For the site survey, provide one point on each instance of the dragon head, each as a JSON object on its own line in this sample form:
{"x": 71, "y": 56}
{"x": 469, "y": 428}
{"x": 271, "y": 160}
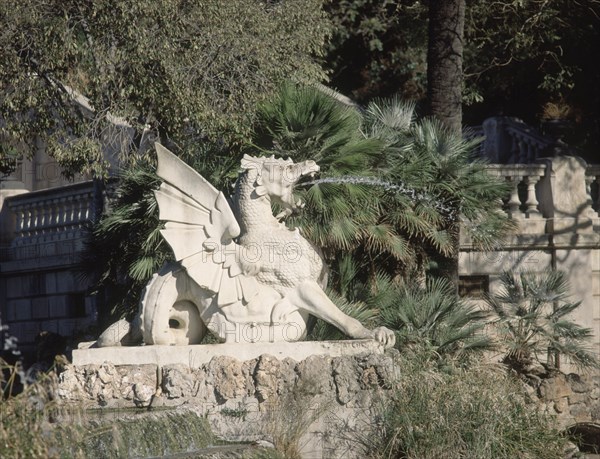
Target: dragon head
{"x": 278, "y": 177}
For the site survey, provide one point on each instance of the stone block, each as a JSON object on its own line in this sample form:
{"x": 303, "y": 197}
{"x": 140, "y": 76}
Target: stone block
{"x": 267, "y": 377}
{"x": 50, "y": 249}
{"x": 347, "y": 376}
{"x": 555, "y": 388}
{"x": 561, "y": 405}
{"x": 58, "y": 307}
{"x": 595, "y": 283}
{"x": 580, "y": 412}
{"x": 14, "y": 287}
{"x": 21, "y": 309}
{"x": 578, "y": 383}
{"x": 595, "y": 260}
{"x": 498, "y": 261}
{"x": 66, "y": 327}
{"x": 51, "y": 286}
{"x": 39, "y": 308}
{"x": 25, "y": 332}
{"x": 228, "y": 377}
{"x": 177, "y": 381}
{"x": 65, "y": 282}
{"x": 195, "y": 356}
{"x": 315, "y": 375}
{"x": 595, "y": 411}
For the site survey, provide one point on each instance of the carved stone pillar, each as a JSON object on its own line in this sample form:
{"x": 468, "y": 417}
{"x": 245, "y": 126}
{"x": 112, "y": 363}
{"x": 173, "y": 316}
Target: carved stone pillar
{"x": 532, "y": 204}
{"x": 514, "y": 203}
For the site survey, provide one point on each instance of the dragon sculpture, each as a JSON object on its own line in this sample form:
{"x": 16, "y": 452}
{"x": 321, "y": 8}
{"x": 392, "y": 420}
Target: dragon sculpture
{"x": 241, "y": 273}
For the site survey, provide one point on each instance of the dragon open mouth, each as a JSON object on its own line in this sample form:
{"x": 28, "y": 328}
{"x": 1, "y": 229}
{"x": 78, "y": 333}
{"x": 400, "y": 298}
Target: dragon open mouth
{"x": 307, "y": 171}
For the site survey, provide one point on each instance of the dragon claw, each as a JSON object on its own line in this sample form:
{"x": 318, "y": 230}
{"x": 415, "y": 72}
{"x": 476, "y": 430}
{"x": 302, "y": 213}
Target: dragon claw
{"x": 385, "y": 336}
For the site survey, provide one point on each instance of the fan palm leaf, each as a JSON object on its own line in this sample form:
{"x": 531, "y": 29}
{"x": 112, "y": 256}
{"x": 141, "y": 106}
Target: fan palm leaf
{"x": 529, "y": 314}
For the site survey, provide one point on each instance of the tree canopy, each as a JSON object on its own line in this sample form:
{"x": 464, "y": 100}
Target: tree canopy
{"x": 177, "y": 69}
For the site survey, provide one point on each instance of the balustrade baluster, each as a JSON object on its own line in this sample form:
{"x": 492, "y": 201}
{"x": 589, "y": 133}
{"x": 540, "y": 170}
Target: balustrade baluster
{"x": 514, "y": 203}
{"x": 55, "y": 215}
{"x": 68, "y": 215}
{"x": 46, "y": 208}
{"x": 34, "y": 225}
{"x": 61, "y": 213}
{"x": 27, "y": 221}
{"x": 81, "y": 211}
{"x": 19, "y": 212}
{"x": 531, "y": 204}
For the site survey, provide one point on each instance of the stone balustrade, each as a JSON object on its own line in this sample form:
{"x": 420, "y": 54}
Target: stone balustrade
{"x": 524, "y": 199}
{"x": 510, "y": 141}
{"x": 526, "y": 144}
{"x": 55, "y": 217}
{"x": 52, "y": 215}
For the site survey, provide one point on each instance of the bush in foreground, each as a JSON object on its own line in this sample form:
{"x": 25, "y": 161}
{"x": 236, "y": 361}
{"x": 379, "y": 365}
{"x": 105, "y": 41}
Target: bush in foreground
{"x": 475, "y": 412}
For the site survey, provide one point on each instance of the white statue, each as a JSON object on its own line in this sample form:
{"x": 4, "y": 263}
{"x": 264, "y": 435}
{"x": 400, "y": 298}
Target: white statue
{"x": 241, "y": 273}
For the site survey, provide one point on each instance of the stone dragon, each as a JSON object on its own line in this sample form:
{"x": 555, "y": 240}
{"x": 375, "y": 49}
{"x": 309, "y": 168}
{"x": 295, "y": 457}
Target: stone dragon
{"x": 240, "y": 272}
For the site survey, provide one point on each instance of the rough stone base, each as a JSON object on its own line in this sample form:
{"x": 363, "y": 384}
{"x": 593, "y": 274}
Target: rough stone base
{"x": 323, "y": 403}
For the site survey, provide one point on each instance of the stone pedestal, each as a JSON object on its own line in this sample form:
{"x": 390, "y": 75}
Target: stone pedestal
{"x": 197, "y": 355}
{"x": 316, "y": 394}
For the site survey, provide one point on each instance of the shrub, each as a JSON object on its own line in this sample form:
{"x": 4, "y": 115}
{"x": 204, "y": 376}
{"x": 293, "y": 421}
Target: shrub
{"x": 475, "y": 412}
{"x": 530, "y": 315}
{"x": 435, "y": 317}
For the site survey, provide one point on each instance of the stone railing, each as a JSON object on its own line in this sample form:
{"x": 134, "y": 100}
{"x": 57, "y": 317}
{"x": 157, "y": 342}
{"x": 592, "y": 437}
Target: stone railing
{"x": 523, "y": 201}
{"x": 56, "y": 215}
{"x": 526, "y": 144}
{"x": 510, "y": 141}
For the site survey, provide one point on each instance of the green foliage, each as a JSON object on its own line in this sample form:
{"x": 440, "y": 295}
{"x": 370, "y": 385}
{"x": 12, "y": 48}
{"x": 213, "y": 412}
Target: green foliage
{"x": 531, "y": 317}
{"x": 518, "y": 55}
{"x": 463, "y": 412}
{"x": 25, "y": 425}
{"x": 435, "y": 318}
{"x": 378, "y": 48}
{"x": 391, "y": 185}
{"x": 182, "y": 71}
{"x": 126, "y": 246}
{"x": 391, "y": 190}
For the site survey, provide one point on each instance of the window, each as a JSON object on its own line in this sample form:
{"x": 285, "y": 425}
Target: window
{"x": 473, "y": 286}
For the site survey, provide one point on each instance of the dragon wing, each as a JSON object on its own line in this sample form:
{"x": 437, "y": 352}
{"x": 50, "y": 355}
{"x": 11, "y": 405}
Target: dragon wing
{"x": 200, "y": 229}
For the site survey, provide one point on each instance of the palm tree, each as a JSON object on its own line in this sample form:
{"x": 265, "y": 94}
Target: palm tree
{"x": 435, "y": 318}
{"x": 394, "y": 188}
{"x": 445, "y": 61}
{"x": 530, "y": 314}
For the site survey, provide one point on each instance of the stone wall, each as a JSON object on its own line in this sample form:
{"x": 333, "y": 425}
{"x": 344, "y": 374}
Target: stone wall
{"x": 571, "y": 398}
{"x": 322, "y": 402}
{"x": 556, "y": 205}
{"x": 41, "y": 288}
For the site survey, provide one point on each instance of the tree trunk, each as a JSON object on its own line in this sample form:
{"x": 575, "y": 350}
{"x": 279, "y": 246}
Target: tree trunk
{"x": 444, "y": 61}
